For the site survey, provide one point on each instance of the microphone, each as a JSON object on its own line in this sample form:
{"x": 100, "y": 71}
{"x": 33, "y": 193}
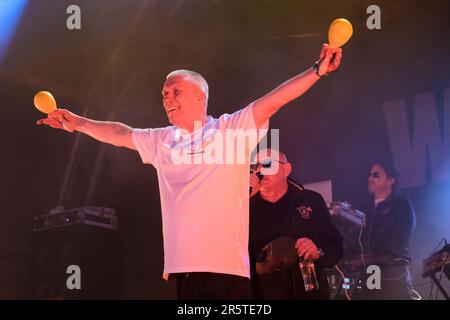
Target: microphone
{"x": 259, "y": 175}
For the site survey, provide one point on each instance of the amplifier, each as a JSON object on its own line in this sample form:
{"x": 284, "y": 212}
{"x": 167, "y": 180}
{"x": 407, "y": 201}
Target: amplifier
{"x": 94, "y": 216}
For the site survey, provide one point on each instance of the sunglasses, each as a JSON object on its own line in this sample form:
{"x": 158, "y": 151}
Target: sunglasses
{"x": 267, "y": 163}
{"x": 375, "y": 175}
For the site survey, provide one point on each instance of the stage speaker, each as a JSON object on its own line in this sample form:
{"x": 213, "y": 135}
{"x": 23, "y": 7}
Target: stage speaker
{"x": 95, "y": 250}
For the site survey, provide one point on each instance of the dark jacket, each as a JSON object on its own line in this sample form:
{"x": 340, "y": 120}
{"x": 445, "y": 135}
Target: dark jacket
{"x": 388, "y": 231}
{"x": 389, "y": 226}
{"x": 299, "y": 213}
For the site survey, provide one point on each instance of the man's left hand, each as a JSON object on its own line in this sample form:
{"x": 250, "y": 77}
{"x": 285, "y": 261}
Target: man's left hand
{"x": 330, "y": 59}
{"x": 307, "y": 249}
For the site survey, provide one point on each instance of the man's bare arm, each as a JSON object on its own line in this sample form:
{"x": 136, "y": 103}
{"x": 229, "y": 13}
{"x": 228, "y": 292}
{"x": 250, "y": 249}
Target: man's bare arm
{"x": 268, "y": 105}
{"x": 115, "y": 133}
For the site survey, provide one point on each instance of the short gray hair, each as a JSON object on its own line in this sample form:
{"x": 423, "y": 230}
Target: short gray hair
{"x": 193, "y": 76}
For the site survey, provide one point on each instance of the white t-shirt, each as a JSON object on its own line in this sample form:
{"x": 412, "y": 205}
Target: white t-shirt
{"x": 205, "y": 206}
{"x": 378, "y": 201}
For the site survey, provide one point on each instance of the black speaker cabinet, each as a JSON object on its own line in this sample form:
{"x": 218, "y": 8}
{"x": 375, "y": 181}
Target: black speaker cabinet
{"x": 93, "y": 250}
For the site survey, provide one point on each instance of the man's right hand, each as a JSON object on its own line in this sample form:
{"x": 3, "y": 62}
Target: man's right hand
{"x": 254, "y": 184}
{"x": 115, "y": 133}
{"x": 62, "y": 119}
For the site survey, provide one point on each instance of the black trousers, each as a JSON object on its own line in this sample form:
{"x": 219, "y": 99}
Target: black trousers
{"x": 396, "y": 284}
{"x": 211, "y": 286}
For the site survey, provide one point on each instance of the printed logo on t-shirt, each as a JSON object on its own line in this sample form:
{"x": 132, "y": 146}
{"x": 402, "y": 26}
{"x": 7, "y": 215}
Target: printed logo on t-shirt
{"x": 305, "y": 212}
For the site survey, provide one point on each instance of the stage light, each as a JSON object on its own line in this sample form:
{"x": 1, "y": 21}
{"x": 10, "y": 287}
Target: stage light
{"x": 10, "y": 13}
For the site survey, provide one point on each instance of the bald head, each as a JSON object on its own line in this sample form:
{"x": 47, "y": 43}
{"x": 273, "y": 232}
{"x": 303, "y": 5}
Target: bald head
{"x": 275, "y": 169}
{"x": 273, "y": 162}
{"x": 272, "y": 154}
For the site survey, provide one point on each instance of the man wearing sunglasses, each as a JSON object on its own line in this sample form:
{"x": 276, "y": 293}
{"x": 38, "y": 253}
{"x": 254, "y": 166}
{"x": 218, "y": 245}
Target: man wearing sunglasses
{"x": 390, "y": 221}
{"x": 281, "y": 209}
